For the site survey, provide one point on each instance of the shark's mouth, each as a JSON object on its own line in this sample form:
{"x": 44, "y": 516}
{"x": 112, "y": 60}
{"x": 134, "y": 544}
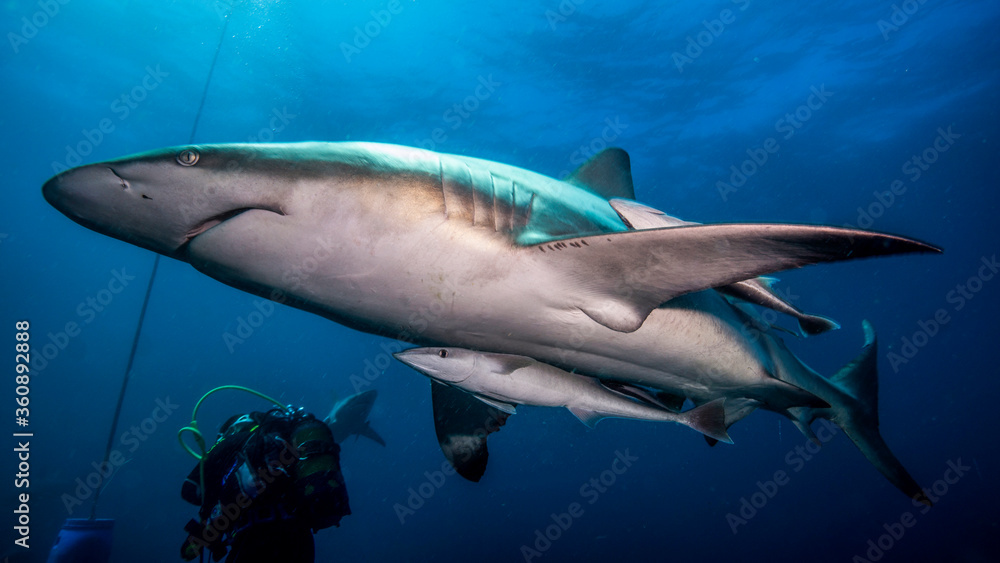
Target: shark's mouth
{"x": 215, "y": 221}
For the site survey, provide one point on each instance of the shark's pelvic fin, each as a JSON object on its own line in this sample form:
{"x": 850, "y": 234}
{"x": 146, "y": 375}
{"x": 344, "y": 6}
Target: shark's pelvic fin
{"x": 462, "y": 424}
{"x": 607, "y": 174}
{"x": 752, "y": 291}
{"x": 619, "y": 278}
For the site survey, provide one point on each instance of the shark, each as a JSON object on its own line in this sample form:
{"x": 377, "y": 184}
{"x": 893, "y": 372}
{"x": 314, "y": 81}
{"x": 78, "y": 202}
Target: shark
{"x": 504, "y": 381}
{"x": 349, "y": 417}
{"x": 453, "y": 251}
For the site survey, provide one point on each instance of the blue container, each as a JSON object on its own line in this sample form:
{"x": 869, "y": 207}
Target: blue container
{"x": 83, "y": 541}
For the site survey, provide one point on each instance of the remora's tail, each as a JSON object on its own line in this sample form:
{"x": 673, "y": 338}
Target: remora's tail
{"x": 858, "y": 416}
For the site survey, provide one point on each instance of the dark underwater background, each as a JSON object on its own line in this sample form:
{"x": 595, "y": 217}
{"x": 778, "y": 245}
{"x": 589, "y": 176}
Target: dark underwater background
{"x": 692, "y": 90}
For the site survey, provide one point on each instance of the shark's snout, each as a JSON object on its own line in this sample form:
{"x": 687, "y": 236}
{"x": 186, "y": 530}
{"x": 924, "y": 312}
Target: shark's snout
{"x": 74, "y": 191}
{"x": 154, "y": 200}
{"x": 444, "y": 364}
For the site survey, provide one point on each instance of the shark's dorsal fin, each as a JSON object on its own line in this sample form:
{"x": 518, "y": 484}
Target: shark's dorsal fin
{"x": 607, "y": 174}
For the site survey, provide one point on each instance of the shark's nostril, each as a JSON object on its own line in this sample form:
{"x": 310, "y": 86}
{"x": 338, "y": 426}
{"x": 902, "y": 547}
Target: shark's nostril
{"x": 125, "y": 184}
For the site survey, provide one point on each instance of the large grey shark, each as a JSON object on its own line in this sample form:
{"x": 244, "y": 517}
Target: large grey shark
{"x": 445, "y": 250}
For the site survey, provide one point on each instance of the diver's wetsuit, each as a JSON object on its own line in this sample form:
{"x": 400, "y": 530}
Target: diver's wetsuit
{"x": 267, "y": 524}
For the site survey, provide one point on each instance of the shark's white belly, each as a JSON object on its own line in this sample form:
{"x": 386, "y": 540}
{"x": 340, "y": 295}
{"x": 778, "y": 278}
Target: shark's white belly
{"x": 439, "y": 283}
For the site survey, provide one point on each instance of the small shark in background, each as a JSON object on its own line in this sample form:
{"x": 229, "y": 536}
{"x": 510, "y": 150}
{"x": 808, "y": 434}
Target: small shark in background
{"x": 508, "y": 261}
{"x": 349, "y": 417}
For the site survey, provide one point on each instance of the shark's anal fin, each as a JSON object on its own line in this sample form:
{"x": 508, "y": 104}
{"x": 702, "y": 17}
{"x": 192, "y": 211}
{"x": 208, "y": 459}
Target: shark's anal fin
{"x": 619, "y": 278}
{"x": 462, "y": 423}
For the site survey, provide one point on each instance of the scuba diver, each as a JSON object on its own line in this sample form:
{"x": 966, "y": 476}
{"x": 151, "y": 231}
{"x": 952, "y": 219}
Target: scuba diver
{"x": 272, "y": 479}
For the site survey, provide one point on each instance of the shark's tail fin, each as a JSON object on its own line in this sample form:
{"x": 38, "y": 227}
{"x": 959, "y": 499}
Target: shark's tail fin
{"x": 857, "y": 415}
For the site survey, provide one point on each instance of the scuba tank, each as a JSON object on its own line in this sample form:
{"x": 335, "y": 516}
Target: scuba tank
{"x": 321, "y": 497}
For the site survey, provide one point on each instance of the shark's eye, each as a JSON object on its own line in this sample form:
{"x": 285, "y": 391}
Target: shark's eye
{"x": 443, "y": 353}
{"x": 187, "y": 157}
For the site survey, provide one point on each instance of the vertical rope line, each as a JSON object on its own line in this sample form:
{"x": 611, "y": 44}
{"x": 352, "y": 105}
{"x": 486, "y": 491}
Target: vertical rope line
{"x": 152, "y": 277}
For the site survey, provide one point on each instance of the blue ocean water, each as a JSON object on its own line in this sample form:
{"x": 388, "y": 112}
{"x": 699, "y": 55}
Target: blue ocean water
{"x": 878, "y": 115}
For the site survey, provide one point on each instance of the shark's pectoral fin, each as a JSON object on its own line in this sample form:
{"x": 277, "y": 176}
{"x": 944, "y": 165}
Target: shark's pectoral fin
{"x": 758, "y": 290}
{"x": 368, "y": 432}
{"x": 462, "y": 424}
{"x": 619, "y": 278}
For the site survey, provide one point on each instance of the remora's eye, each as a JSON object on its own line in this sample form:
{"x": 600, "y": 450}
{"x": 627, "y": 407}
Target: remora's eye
{"x": 187, "y": 157}
{"x": 443, "y": 353}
